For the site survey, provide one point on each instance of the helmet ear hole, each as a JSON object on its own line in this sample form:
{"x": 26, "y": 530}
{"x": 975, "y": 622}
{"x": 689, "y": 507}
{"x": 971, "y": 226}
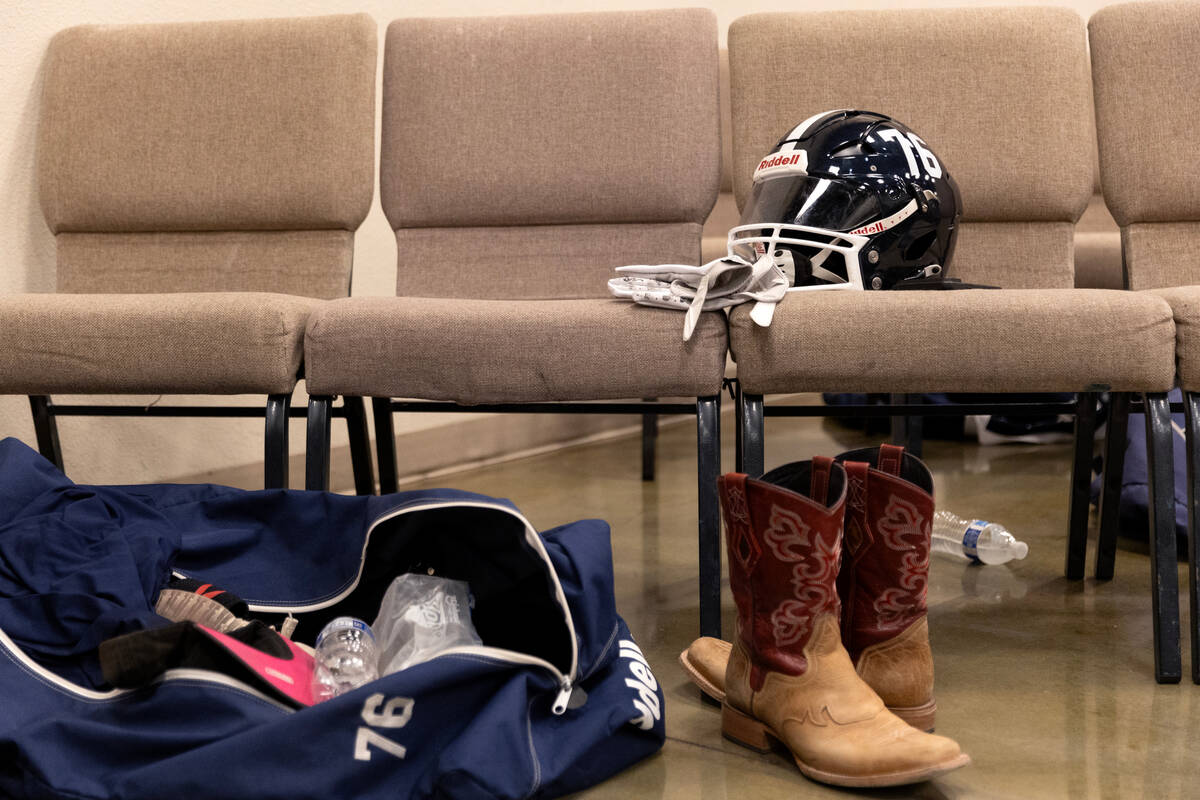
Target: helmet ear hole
{"x": 918, "y": 246}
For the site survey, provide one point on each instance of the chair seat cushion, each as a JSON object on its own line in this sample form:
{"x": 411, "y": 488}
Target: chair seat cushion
{"x": 1185, "y": 304}
{"x": 509, "y": 351}
{"x": 1002, "y": 340}
{"x": 185, "y": 343}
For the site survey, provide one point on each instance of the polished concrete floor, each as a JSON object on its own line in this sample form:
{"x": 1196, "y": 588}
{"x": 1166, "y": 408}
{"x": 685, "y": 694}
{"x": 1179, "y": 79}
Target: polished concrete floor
{"x": 1048, "y": 684}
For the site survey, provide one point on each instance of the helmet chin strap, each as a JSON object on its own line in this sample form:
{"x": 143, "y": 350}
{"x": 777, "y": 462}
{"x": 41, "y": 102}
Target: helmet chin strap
{"x": 769, "y": 281}
{"x": 719, "y": 284}
{"x": 821, "y": 272}
{"x": 765, "y": 287}
{"x": 786, "y": 261}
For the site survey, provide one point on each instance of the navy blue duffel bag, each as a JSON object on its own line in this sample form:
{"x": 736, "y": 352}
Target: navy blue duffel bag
{"x": 557, "y": 698}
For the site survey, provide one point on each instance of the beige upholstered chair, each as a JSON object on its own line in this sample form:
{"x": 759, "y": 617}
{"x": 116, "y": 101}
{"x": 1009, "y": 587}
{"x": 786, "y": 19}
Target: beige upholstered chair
{"x": 1143, "y": 63}
{"x": 203, "y": 182}
{"x": 523, "y": 158}
{"x": 1003, "y": 95}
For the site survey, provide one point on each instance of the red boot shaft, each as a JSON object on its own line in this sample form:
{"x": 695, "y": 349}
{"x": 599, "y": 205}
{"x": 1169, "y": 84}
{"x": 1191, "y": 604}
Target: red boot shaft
{"x": 885, "y": 560}
{"x": 783, "y": 534}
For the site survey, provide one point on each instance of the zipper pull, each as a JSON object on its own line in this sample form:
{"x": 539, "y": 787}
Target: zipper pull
{"x": 562, "y": 698}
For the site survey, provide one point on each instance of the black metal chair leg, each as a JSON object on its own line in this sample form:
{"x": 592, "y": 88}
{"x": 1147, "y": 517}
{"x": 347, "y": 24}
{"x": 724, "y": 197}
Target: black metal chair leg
{"x": 1110, "y": 493}
{"x": 737, "y": 427}
{"x": 275, "y": 454}
{"x": 708, "y": 468}
{"x": 751, "y": 421}
{"x": 317, "y": 443}
{"x": 316, "y": 458}
{"x": 649, "y": 445}
{"x": 1081, "y": 482}
{"x": 1164, "y": 580}
{"x": 360, "y": 445}
{"x": 908, "y": 431}
{"x": 385, "y": 445}
{"x": 46, "y": 429}
{"x": 1191, "y": 407}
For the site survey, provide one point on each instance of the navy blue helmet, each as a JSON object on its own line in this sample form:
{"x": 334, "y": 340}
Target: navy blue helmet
{"x": 851, "y": 200}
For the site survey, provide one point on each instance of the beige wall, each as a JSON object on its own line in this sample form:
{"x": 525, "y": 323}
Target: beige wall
{"x": 131, "y": 450}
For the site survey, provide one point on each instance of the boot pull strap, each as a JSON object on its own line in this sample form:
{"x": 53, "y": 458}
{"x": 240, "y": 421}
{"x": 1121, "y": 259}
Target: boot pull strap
{"x": 890, "y": 458}
{"x": 856, "y": 535}
{"x": 819, "y": 489}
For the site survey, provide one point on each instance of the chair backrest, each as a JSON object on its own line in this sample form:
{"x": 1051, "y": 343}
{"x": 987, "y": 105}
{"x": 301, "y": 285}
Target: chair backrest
{"x": 1144, "y": 67}
{"x": 1002, "y": 95}
{"x": 527, "y": 156}
{"x": 726, "y": 125}
{"x": 213, "y": 156}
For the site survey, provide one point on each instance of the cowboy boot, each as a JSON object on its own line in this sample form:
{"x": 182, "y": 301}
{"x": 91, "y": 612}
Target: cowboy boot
{"x": 889, "y": 647}
{"x": 788, "y": 677}
{"x": 883, "y": 578}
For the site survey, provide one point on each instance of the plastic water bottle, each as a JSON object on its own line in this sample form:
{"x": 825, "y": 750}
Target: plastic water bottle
{"x": 975, "y": 540}
{"x": 346, "y": 658}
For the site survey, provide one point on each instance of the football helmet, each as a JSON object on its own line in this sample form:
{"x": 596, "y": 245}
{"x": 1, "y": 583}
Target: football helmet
{"x": 851, "y": 200}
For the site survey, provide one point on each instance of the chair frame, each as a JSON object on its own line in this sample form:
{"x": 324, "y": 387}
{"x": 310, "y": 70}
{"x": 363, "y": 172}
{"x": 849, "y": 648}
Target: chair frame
{"x": 276, "y": 414}
{"x": 707, "y": 411}
{"x": 1191, "y": 407}
{"x": 1160, "y": 463}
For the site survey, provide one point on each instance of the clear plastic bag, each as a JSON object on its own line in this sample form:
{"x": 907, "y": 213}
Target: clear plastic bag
{"x": 420, "y": 616}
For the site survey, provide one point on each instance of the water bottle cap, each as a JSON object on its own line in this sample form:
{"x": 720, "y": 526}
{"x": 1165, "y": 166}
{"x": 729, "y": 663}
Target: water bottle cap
{"x": 1020, "y": 550}
{"x": 344, "y": 623}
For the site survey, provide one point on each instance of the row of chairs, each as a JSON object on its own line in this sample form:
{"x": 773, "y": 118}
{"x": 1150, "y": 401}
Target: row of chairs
{"x": 204, "y": 182}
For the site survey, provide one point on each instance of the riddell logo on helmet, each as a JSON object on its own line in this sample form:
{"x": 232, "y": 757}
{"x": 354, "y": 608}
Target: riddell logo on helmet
{"x": 884, "y": 224}
{"x": 874, "y": 227}
{"x": 788, "y": 163}
{"x": 779, "y": 161}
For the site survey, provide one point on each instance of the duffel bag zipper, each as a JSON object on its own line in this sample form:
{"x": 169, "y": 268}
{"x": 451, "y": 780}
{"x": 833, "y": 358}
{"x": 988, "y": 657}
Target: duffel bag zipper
{"x": 566, "y": 684}
{"x": 565, "y": 681}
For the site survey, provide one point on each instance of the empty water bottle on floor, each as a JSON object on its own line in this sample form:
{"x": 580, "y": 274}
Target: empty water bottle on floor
{"x": 346, "y": 658}
{"x": 975, "y": 540}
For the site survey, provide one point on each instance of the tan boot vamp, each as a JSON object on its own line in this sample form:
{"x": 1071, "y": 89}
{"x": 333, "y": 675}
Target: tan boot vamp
{"x": 829, "y": 689}
{"x": 900, "y": 670}
{"x": 833, "y": 721}
{"x": 706, "y": 660}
